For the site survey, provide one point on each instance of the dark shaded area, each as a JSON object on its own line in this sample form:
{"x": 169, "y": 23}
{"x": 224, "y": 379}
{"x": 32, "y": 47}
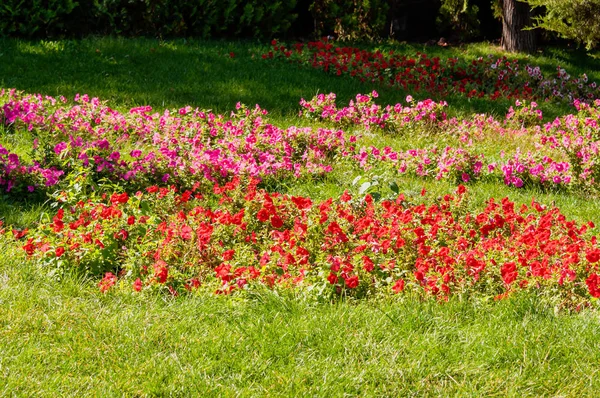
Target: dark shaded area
{"x": 304, "y": 25}
{"x": 149, "y": 18}
{"x": 490, "y": 27}
{"x": 413, "y": 19}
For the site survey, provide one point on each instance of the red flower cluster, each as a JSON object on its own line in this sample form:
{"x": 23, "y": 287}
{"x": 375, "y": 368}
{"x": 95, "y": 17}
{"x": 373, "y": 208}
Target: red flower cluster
{"x": 242, "y": 236}
{"x": 482, "y": 77}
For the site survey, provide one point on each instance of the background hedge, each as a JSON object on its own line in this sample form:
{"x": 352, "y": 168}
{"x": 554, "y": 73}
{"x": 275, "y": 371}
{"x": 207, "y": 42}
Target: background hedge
{"x": 344, "y": 19}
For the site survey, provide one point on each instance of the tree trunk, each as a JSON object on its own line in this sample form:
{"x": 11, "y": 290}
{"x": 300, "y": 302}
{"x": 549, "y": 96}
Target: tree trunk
{"x": 516, "y": 16}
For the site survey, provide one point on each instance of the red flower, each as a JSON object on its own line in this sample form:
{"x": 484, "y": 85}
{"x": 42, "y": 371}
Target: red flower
{"x": 228, "y": 254}
{"x": 509, "y": 272}
{"x": 398, "y": 286}
{"x": 593, "y": 284}
{"x": 60, "y": 251}
{"x": 332, "y": 278}
{"x": 223, "y": 271}
{"x": 29, "y": 247}
{"x": 352, "y": 282}
{"x": 262, "y": 215}
{"x": 122, "y": 234}
{"x": 367, "y": 264}
{"x": 335, "y": 230}
{"x": 345, "y": 197}
{"x": 302, "y": 203}
{"x": 57, "y": 225}
{"x": 119, "y": 198}
{"x": 131, "y": 220}
{"x": 19, "y": 234}
{"x": 107, "y": 282}
{"x": 137, "y": 285}
{"x": 276, "y": 221}
{"x": 160, "y": 271}
{"x": 194, "y": 283}
{"x": 592, "y": 255}
{"x": 186, "y": 232}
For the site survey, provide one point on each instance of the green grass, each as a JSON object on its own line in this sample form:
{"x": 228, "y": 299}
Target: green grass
{"x": 61, "y": 337}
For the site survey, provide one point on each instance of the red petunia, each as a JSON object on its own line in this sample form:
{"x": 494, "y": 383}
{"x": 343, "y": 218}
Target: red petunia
{"x": 107, "y": 282}
{"x": 332, "y": 278}
{"x": 19, "y": 234}
{"x": 137, "y": 285}
{"x": 301, "y": 202}
{"x": 161, "y": 271}
{"x": 509, "y": 272}
{"x": 29, "y": 247}
{"x": 228, "y": 254}
{"x": 262, "y": 215}
{"x": 593, "y": 284}
{"x": 592, "y": 255}
{"x": 276, "y": 221}
{"x": 122, "y": 234}
{"x": 352, "y": 282}
{"x": 345, "y": 197}
{"x": 186, "y": 232}
{"x": 398, "y": 286}
{"x": 119, "y": 198}
{"x": 367, "y": 264}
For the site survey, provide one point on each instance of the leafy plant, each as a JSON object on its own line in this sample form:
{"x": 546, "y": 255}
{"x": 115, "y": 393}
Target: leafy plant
{"x": 459, "y": 17}
{"x": 571, "y": 19}
{"x": 350, "y": 19}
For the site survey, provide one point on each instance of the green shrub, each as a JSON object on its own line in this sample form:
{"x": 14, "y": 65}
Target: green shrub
{"x": 350, "y": 19}
{"x": 571, "y": 19}
{"x": 162, "y": 18}
{"x": 36, "y": 17}
{"x": 460, "y": 17}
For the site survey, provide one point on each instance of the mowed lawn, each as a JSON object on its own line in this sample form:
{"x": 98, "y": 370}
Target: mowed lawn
{"x": 59, "y": 336}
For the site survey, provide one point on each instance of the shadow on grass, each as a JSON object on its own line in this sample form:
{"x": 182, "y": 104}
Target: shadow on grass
{"x": 164, "y": 75}
{"x": 211, "y": 75}
{"x": 21, "y": 214}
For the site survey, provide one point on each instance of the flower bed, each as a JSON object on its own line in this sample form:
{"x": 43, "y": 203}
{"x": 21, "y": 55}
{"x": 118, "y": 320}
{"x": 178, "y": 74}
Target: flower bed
{"x": 238, "y": 236}
{"x": 182, "y": 147}
{"x": 568, "y": 148}
{"x": 187, "y": 147}
{"x": 192, "y": 215}
{"x": 482, "y": 77}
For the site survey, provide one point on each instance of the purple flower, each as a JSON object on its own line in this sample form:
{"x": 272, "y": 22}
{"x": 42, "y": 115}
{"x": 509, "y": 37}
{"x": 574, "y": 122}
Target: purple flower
{"x": 517, "y": 182}
{"x": 60, "y": 147}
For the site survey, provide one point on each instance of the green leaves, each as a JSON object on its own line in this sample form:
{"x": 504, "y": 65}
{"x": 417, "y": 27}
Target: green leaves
{"x": 571, "y": 19}
{"x": 205, "y": 19}
{"x": 378, "y": 186}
